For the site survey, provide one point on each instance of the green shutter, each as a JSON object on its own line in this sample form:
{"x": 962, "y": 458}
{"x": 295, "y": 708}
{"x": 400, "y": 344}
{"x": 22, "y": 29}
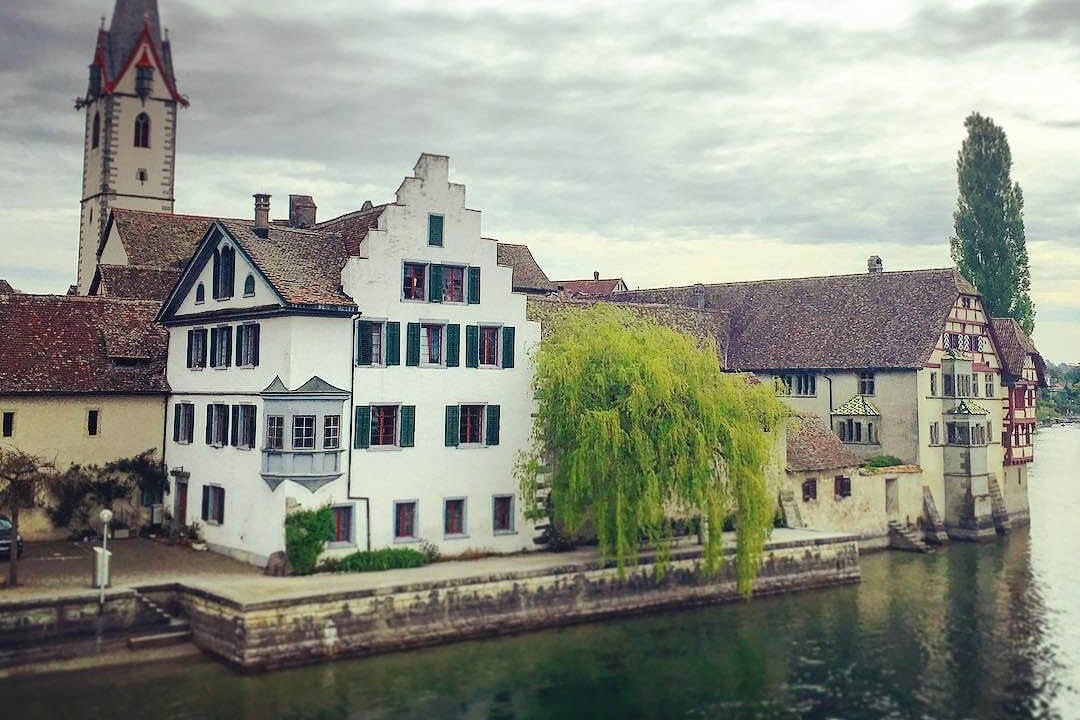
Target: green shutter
{"x": 474, "y": 286}
{"x": 435, "y": 230}
{"x": 508, "y": 347}
{"x": 408, "y": 425}
{"x": 362, "y": 427}
{"x": 412, "y": 344}
{"x": 472, "y": 346}
{"x": 393, "y": 343}
{"x": 435, "y": 293}
{"x": 453, "y": 345}
{"x": 363, "y": 344}
{"x": 451, "y": 425}
{"x": 492, "y": 425}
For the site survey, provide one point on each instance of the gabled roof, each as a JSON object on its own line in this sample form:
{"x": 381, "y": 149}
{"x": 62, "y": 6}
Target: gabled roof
{"x": 528, "y": 275}
{"x": 868, "y": 320}
{"x": 79, "y": 345}
{"x": 156, "y": 239}
{"x": 600, "y": 286}
{"x": 857, "y": 405}
{"x": 353, "y": 227}
{"x": 1013, "y": 345}
{"x": 811, "y": 445}
{"x": 134, "y": 282}
{"x": 315, "y": 386}
{"x": 968, "y": 407}
{"x": 5, "y": 288}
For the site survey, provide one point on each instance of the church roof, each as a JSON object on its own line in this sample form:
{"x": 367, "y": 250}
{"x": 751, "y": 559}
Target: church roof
{"x": 528, "y": 276}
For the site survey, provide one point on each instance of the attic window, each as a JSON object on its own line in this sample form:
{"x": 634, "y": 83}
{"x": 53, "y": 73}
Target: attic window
{"x": 200, "y": 293}
{"x": 249, "y": 286}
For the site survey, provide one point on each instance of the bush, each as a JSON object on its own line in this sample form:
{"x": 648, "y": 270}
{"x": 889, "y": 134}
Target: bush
{"x": 306, "y": 535}
{"x": 374, "y": 560}
{"x": 883, "y": 461}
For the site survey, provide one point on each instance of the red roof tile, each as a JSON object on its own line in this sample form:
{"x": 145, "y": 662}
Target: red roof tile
{"x": 601, "y": 286}
{"x": 353, "y": 227}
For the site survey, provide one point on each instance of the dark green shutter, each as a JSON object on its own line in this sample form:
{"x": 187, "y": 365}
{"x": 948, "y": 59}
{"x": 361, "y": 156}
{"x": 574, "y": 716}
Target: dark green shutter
{"x": 190, "y": 341}
{"x": 435, "y": 230}
{"x": 202, "y": 354}
{"x": 362, "y": 427}
{"x": 176, "y": 423}
{"x": 472, "y": 346}
{"x": 451, "y": 425}
{"x": 508, "y": 347}
{"x": 474, "y": 286}
{"x": 412, "y": 344}
{"x": 453, "y": 345}
{"x": 492, "y": 425}
{"x": 206, "y": 503}
{"x": 393, "y": 343}
{"x": 408, "y": 425}
{"x": 209, "y": 424}
{"x": 254, "y": 359}
{"x": 213, "y": 347}
{"x": 435, "y": 294}
{"x": 240, "y": 332}
{"x": 221, "y": 507}
{"x": 363, "y": 345}
{"x": 235, "y": 428}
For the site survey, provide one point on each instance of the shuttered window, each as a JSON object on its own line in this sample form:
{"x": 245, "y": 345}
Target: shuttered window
{"x": 362, "y": 427}
{"x": 247, "y": 345}
{"x": 436, "y": 273}
{"x": 183, "y": 423}
{"x": 474, "y": 286}
{"x": 393, "y": 343}
{"x": 491, "y": 436}
{"x": 508, "y": 347}
{"x": 472, "y": 346}
{"x": 213, "y": 504}
{"x": 412, "y": 344}
{"x": 451, "y": 425}
{"x": 453, "y": 345}
{"x": 384, "y": 426}
{"x": 489, "y": 346}
{"x": 435, "y": 230}
{"x": 369, "y": 343}
{"x": 408, "y": 426}
{"x": 196, "y": 348}
{"x": 413, "y": 282}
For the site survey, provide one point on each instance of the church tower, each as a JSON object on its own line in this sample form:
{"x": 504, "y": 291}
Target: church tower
{"x": 129, "y": 153}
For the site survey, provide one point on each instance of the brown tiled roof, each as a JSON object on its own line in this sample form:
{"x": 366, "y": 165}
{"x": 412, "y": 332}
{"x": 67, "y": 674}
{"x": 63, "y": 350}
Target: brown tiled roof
{"x": 353, "y": 227}
{"x": 304, "y": 266}
{"x": 812, "y": 446}
{"x": 135, "y": 282}
{"x": 1013, "y": 344}
{"x": 65, "y": 344}
{"x": 528, "y": 276}
{"x": 589, "y": 287}
{"x": 159, "y": 239}
{"x": 871, "y": 320}
{"x": 5, "y": 287}
{"x": 697, "y": 323}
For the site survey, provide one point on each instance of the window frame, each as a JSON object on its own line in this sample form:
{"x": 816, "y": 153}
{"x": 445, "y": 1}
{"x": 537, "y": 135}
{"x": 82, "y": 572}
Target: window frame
{"x": 496, "y": 329}
{"x": 366, "y": 324}
{"x": 200, "y": 294}
{"x": 425, "y": 346}
{"x": 351, "y": 541}
{"x": 811, "y": 485}
{"x": 396, "y": 439}
{"x": 277, "y": 433}
{"x": 142, "y": 131}
{"x": 187, "y": 410}
{"x": 95, "y": 415}
{"x": 220, "y": 425}
{"x": 445, "y": 275}
{"x": 415, "y": 536}
{"x": 295, "y": 426}
{"x": 867, "y": 379}
{"x": 247, "y": 340}
{"x": 424, "y": 272}
{"x": 442, "y": 230}
{"x": 336, "y": 434}
{"x": 7, "y": 429}
{"x": 249, "y": 280}
{"x": 511, "y": 517}
{"x": 482, "y": 411}
{"x": 224, "y": 339}
{"x": 447, "y": 535}
{"x": 215, "y": 492}
{"x": 247, "y": 433}
{"x": 195, "y": 358}
{"x": 841, "y": 487}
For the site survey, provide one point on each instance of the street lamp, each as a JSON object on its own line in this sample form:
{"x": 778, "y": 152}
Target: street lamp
{"x": 103, "y": 577}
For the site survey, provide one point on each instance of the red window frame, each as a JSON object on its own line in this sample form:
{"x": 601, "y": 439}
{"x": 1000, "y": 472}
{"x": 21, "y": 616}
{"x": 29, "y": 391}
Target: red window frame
{"x": 405, "y": 520}
{"x": 434, "y": 343}
{"x": 502, "y": 514}
{"x": 489, "y": 345}
{"x": 454, "y": 517}
{"x": 414, "y": 279}
{"x": 384, "y": 425}
{"x": 471, "y": 425}
{"x": 453, "y": 289}
{"x": 342, "y": 524}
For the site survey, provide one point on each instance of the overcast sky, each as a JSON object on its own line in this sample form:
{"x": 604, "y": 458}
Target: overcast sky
{"x": 667, "y": 143}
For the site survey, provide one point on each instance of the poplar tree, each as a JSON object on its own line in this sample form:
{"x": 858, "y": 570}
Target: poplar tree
{"x": 989, "y": 247}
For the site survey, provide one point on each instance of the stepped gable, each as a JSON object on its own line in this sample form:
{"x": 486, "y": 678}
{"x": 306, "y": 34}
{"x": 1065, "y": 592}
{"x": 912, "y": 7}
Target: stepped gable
{"x": 134, "y": 282}
{"x": 868, "y": 320}
{"x": 811, "y": 445}
{"x": 353, "y": 227}
{"x": 528, "y": 276}
{"x": 76, "y": 345}
{"x": 1013, "y": 344}
{"x": 156, "y": 239}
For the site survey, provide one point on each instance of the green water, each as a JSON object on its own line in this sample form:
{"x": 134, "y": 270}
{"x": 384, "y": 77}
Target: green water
{"x": 988, "y": 631}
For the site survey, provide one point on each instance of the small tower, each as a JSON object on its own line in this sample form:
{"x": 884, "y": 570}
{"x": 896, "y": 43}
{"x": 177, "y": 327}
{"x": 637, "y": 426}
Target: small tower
{"x": 129, "y": 150}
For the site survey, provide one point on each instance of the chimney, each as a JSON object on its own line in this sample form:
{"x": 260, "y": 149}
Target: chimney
{"x": 873, "y": 264}
{"x": 301, "y": 211}
{"x": 595, "y": 274}
{"x": 262, "y": 214}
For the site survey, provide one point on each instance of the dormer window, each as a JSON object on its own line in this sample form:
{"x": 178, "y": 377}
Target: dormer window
{"x": 249, "y": 286}
{"x": 144, "y": 80}
{"x": 142, "y": 130}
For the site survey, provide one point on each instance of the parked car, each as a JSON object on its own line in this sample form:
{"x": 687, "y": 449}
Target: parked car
{"x": 5, "y": 539}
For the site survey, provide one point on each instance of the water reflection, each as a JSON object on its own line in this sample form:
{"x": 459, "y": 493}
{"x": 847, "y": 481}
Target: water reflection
{"x": 984, "y": 631}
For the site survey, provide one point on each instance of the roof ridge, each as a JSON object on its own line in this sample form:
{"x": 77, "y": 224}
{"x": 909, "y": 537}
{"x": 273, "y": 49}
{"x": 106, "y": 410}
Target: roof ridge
{"x": 606, "y": 301}
{"x": 353, "y": 213}
{"x": 80, "y": 298}
{"x": 777, "y": 280}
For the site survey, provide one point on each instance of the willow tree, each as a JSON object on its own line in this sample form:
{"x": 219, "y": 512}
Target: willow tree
{"x": 637, "y": 423}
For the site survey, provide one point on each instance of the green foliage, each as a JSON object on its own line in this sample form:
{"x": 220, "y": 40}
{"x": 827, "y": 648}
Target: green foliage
{"x": 883, "y": 461}
{"x": 989, "y": 247}
{"x": 636, "y": 423}
{"x": 306, "y": 535}
{"x": 374, "y": 560}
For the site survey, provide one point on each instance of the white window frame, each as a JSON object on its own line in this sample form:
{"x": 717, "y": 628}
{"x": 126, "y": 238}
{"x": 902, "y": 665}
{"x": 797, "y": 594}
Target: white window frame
{"x": 337, "y": 432}
{"x": 280, "y": 433}
{"x": 314, "y": 431}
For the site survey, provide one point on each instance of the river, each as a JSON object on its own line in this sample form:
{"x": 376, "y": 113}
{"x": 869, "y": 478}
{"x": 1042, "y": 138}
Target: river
{"x": 973, "y": 631}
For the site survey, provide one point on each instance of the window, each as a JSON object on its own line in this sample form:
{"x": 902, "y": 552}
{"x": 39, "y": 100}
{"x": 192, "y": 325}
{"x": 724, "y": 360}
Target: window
{"x": 471, "y": 425}
{"x": 200, "y": 294}
{"x": 502, "y": 520}
{"x": 405, "y": 520}
{"x": 275, "y": 432}
{"x": 95, "y": 134}
{"x": 809, "y": 490}
{"x": 975, "y": 384}
{"x": 957, "y": 433}
{"x": 217, "y": 425}
{"x": 331, "y": 432}
{"x": 950, "y": 385}
{"x": 453, "y": 283}
{"x": 220, "y": 347}
{"x": 454, "y": 517}
{"x": 9, "y": 424}
{"x": 413, "y": 287}
{"x": 966, "y": 302}
{"x": 850, "y": 431}
{"x": 196, "y": 348}
{"x": 989, "y": 385}
{"x": 303, "y": 432}
{"x": 963, "y": 385}
{"x": 431, "y": 344}
{"x": 842, "y": 487}
{"x": 343, "y": 524}
{"x": 384, "y": 425}
{"x": 802, "y": 384}
{"x": 213, "y": 504}
{"x": 489, "y": 346}
{"x": 246, "y": 426}
{"x": 435, "y": 230}
{"x": 144, "y": 81}
{"x": 870, "y": 436}
{"x": 249, "y": 286}
{"x": 93, "y": 418}
{"x": 142, "y": 130}
{"x": 935, "y": 433}
{"x": 247, "y": 345}
{"x": 975, "y": 343}
{"x": 141, "y": 175}
{"x": 933, "y": 384}
{"x": 369, "y": 343}
{"x": 224, "y": 269}
{"x": 866, "y": 383}
{"x": 184, "y": 423}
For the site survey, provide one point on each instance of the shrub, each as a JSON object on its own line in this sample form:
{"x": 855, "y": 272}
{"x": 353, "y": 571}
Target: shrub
{"x": 883, "y": 461}
{"x": 374, "y": 560}
{"x": 306, "y": 535}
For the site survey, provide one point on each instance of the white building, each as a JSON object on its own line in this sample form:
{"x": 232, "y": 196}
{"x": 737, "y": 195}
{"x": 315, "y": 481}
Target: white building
{"x": 378, "y": 362}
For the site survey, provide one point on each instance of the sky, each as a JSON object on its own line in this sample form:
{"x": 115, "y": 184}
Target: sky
{"x": 666, "y": 143}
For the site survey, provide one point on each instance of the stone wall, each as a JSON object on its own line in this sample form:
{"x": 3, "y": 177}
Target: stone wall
{"x": 279, "y": 633}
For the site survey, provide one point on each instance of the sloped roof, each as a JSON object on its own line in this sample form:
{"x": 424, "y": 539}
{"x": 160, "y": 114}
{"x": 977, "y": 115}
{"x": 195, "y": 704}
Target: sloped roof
{"x": 528, "y": 276}
{"x": 70, "y": 344}
{"x": 304, "y": 266}
{"x": 868, "y": 320}
{"x": 5, "y": 287}
{"x": 353, "y": 227}
{"x": 857, "y": 405}
{"x": 124, "y": 31}
{"x": 135, "y": 282}
{"x": 811, "y": 445}
{"x": 602, "y": 286}
{"x": 1013, "y": 344}
{"x": 158, "y": 239}
{"x": 968, "y": 407}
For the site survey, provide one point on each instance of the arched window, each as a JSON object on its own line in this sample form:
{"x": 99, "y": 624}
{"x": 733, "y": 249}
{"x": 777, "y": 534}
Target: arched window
{"x": 95, "y": 134}
{"x": 224, "y": 277}
{"x": 200, "y": 293}
{"x": 142, "y": 130}
{"x": 249, "y": 285}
